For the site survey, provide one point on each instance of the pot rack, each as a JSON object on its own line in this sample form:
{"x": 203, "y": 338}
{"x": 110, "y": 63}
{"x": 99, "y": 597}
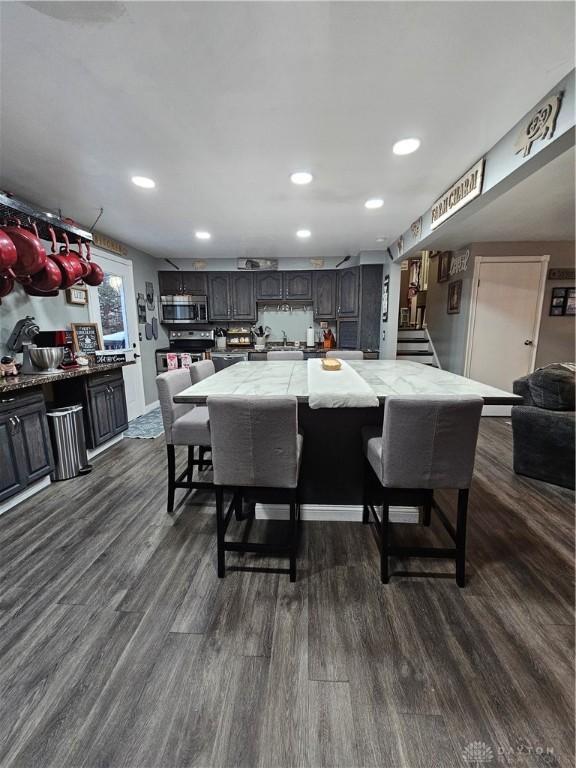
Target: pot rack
{"x": 12, "y": 207}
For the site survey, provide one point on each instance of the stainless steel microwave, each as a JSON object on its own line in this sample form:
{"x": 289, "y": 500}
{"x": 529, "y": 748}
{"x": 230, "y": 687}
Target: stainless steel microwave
{"x": 184, "y": 309}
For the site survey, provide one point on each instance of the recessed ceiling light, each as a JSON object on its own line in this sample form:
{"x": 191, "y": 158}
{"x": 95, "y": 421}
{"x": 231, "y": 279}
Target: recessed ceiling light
{"x": 381, "y": 239}
{"x": 144, "y": 182}
{"x": 303, "y": 233}
{"x": 374, "y": 202}
{"x": 301, "y": 177}
{"x": 202, "y": 235}
{"x": 406, "y": 146}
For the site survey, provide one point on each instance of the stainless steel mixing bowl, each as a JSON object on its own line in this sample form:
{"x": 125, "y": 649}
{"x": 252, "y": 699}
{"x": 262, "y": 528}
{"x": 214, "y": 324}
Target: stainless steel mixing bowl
{"x": 47, "y": 358}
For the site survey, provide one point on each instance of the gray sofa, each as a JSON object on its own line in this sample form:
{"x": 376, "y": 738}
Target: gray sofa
{"x": 543, "y": 426}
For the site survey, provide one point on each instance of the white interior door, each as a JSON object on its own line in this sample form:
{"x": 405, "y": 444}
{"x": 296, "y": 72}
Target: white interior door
{"x": 506, "y": 320}
{"x": 113, "y": 306}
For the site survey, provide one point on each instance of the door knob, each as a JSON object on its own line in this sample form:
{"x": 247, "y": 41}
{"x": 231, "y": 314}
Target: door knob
{"x": 528, "y": 343}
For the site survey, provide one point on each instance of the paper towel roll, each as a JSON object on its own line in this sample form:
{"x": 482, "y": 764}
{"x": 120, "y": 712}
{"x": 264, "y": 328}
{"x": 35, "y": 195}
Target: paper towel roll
{"x": 310, "y": 337}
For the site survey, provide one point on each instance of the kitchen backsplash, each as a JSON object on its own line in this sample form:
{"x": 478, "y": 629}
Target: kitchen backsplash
{"x": 295, "y": 323}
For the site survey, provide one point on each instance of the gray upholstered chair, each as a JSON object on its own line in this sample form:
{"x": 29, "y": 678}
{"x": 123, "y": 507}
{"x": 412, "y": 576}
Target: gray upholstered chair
{"x": 184, "y": 424}
{"x": 346, "y": 354}
{"x": 201, "y": 370}
{"x": 425, "y": 443}
{"x": 285, "y": 354}
{"x": 256, "y": 452}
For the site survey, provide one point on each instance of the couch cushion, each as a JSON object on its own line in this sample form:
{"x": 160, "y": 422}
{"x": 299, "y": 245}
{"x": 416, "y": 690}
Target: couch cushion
{"x": 193, "y": 428}
{"x": 552, "y": 388}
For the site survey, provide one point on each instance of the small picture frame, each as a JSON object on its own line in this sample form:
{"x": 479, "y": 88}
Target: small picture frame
{"x": 563, "y": 302}
{"x": 87, "y": 338}
{"x": 443, "y": 267}
{"x": 385, "y": 290}
{"x": 78, "y": 294}
{"x": 454, "y": 296}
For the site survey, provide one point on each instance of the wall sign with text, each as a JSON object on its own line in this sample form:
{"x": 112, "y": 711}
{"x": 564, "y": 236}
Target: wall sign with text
{"x": 460, "y": 194}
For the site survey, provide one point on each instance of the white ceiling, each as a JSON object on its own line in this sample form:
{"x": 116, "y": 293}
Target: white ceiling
{"x": 219, "y": 102}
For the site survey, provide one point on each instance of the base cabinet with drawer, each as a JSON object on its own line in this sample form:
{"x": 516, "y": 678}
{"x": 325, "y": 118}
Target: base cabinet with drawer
{"x": 103, "y": 399}
{"x": 25, "y": 451}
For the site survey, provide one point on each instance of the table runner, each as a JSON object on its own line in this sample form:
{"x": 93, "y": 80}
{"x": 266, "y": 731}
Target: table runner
{"x": 338, "y": 389}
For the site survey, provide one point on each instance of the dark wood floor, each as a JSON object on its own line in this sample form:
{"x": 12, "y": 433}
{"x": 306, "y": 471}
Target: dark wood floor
{"x": 120, "y": 647}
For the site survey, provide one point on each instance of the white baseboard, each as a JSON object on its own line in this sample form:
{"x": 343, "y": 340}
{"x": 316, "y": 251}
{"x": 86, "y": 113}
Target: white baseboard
{"x": 152, "y": 406}
{"x": 351, "y": 513}
{"x": 20, "y": 497}
{"x": 92, "y": 452}
{"x": 497, "y": 410}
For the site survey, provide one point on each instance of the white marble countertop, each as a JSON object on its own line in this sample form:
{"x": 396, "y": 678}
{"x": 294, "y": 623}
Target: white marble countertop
{"x": 386, "y": 377}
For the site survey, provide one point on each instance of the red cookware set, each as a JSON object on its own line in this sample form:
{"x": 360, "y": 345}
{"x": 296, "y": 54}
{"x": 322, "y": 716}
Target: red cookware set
{"x": 24, "y": 259}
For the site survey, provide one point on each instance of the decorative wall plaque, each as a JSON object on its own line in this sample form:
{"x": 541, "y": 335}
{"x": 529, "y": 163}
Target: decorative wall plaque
{"x": 540, "y": 125}
{"x": 105, "y": 242}
{"x": 400, "y": 245}
{"x": 416, "y": 228}
{"x": 561, "y": 273}
{"x": 460, "y": 194}
{"x": 459, "y": 262}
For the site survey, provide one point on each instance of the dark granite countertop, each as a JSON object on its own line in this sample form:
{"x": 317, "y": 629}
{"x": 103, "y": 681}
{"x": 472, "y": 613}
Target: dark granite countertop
{"x": 26, "y": 381}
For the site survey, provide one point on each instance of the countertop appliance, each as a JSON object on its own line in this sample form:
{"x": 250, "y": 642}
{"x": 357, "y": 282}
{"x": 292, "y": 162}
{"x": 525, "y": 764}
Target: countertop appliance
{"x": 225, "y": 359}
{"x": 22, "y": 333}
{"x": 193, "y": 342}
{"x": 183, "y": 309}
{"x": 41, "y": 360}
{"x": 59, "y": 339}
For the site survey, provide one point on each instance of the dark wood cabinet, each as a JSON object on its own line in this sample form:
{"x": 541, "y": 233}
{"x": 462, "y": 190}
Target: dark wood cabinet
{"x": 194, "y": 283}
{"x": 370, "y": 306}
{"x": 180, "y": 281}
{"x": 348, "y": 292}
{"x": 348, "y": 334}
{"x": 298, "y": 285}
{"x": 106, "y": 405}
{"x": 170, "y": 283}
{"x": 324, "y": 294}
{"x": 269, "y": 285}
{"x": 25, "y": 451}
{"x": 242, "y": 295}
{"x": 219, "y": 306}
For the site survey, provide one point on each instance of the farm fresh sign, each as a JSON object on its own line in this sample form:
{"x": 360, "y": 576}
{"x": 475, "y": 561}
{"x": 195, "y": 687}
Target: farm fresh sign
{"x": 460, "y": 194}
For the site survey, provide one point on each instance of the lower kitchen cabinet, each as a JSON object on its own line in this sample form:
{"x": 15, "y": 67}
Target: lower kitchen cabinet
{"x": 25, "y": 452}
{"x": 107, "y": 412}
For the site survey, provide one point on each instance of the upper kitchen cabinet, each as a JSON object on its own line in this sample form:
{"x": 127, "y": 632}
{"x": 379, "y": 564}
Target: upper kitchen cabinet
{"x": 178, "y": 282}
{"x": 269, "y": 285}
{"x": 170, "y": 283}
{"x": 219, "y": 296}
{"x": 298, "y": 285}
{"x": 324, "y": 292}
{"x": 194, "y": 283}
{"x": 349, "y": 292}
{"x": 242, "y": 295}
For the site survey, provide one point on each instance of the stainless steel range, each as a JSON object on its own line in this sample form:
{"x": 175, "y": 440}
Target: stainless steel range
{"x": 191, "y": 342}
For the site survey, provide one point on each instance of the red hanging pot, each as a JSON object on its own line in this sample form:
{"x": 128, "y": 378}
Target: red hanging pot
{"x": 8, "y": 252}
{"x": 31, "y": 256}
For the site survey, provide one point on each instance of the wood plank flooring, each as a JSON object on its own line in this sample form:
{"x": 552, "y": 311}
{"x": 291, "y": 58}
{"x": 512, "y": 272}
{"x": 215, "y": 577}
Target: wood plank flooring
{"x": 119, "y": 647}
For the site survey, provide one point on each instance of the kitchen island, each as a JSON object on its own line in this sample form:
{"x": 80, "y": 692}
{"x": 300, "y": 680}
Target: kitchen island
{"x": 332, "y": 464}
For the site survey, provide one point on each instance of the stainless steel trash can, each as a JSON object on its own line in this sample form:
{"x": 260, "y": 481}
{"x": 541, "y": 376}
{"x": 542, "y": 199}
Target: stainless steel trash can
{"x": 68, "y": 442}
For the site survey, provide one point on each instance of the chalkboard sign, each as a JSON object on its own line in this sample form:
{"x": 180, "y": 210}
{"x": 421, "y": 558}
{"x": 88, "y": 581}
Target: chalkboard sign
{"x": 86, "y": 338}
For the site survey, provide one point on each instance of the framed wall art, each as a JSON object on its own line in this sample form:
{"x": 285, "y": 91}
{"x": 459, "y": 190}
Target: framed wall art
{"x": 385, "y": 288}
{"x": 78, "y": 294}
{"x": 443, "y": 267}
{"x": 563, "y": 302}
{"x": 86, "y": 337}
{"x": 454, "y": 297}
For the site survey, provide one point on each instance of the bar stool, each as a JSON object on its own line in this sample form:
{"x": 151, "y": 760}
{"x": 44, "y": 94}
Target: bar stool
{"x": 199, "y": 371}
{"x": 285, "y": 354}
{"x": 184, "y": 424}
{"x": 425, "y": 444}
{"x": 256, "y": 450}
{"x": 346, "y": 354}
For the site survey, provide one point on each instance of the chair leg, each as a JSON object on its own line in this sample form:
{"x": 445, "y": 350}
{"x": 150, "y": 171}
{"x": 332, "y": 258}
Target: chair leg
{"x": 365, "y": 510}
{"x": 200, "y": 458}
{"x": 238, "y": 506}
{"x": 384, "y": 530}
{"x": 461, "y": 538}
{"x": 427, "y": 513}
{"x": 220, "y": 532}
{"x": 171, "y": 478}
{"x": 190, "y": 464}
{"x": 293, "y": 539}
